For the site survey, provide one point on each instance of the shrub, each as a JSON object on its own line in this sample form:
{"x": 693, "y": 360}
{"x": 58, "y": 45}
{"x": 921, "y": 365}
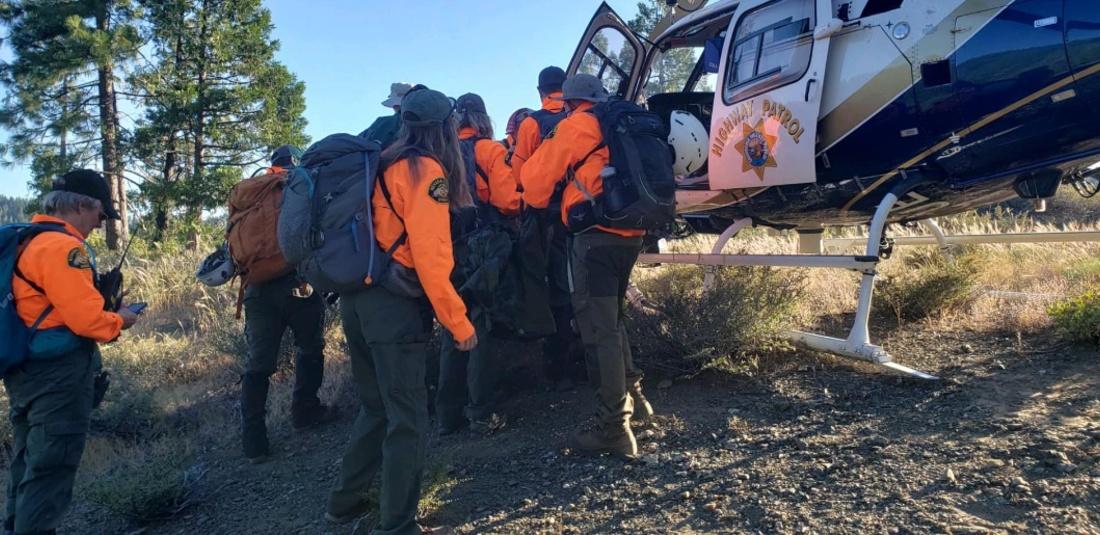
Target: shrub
{"x": 686, "y": 329}
{"x": 929, "y": 284}
{"x": 1078, "y": 318}
{"x": 153, "y": 489}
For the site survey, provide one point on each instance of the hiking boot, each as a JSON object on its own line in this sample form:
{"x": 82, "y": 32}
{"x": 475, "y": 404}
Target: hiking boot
{"x": 343, "y": 517}
{"x": 616, "y": 440}
{"x": 489, "y": 425}
{"x": 643, "y": 411}
{"x": 313, "y": 416}
{"x": 255, "y": 445}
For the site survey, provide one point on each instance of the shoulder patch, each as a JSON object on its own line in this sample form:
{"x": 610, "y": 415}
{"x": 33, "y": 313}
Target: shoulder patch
{"x": 439, "y": 190}
{"x": 79, "y": 259}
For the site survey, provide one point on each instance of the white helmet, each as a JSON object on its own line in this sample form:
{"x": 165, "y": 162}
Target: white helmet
{"x": 218, "y": 268}
{"x": 689, "y": 139}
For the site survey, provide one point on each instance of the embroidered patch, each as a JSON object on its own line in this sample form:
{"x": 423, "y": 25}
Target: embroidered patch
{"x": 79, "y": 259}
{"x": 438, "y": 190}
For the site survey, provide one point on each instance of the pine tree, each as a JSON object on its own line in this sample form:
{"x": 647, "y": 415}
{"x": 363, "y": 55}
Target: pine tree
{"x": 219, "y": 102}
{"x": 61, "y": 104}
{"x": 672, "y": 68}
{"x": 12, "y": 209}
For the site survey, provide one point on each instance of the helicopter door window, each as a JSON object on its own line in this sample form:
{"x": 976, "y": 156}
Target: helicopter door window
{"x": 771, "y": 48}
{"x": 610, "y": 57}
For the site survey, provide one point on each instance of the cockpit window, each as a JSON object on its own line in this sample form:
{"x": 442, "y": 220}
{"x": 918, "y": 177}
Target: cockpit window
{"x": 874, "y": 7}
{"x": 771, "y": 48}
{"x": 676, "y": 70}
{"x": 610, "y": 57}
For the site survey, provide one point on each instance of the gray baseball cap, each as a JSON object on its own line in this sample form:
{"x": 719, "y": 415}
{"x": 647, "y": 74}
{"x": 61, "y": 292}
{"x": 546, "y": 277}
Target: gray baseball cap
{"x": 424, "y": 107}
{"x": 583, "y": 87}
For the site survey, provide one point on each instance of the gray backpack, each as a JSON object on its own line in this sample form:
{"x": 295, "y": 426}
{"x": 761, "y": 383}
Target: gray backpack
{"x": 326, "y": 224}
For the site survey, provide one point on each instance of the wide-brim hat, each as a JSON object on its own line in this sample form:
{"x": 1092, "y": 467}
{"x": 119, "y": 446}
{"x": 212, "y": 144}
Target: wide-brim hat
{"x": 397, "y": 93}
{"x": 583, "y": 87}
{"x": 90, "y": 184}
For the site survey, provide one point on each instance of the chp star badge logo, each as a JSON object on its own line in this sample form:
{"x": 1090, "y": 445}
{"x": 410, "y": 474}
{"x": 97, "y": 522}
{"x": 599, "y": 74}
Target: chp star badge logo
{"x": 756, "y": 149}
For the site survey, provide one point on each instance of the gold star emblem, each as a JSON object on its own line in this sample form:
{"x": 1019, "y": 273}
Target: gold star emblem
{"x": 755, "y": 148}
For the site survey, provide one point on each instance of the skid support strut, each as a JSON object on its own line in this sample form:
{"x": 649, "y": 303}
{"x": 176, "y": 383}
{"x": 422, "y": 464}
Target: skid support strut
{"x": 858, "y": 343}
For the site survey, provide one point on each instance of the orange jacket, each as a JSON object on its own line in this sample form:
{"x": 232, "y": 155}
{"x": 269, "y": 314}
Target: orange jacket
{"x": 500, "y": 189}
{"x": 60, "y": 265}
{"x": 574, "y": 140}
{"x": 421, "y": 201}
{"x": 528, "y": 138}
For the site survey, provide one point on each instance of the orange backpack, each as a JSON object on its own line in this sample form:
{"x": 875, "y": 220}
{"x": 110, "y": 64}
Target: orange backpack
{"x": 254, "y": 206}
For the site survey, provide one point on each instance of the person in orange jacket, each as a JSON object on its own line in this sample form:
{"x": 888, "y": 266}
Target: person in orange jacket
{"x": 561, "y": 351}
{"x": 601, "y": 260}
{"x": 52, "y": 394}
{"x": 510, "y": 130}
{"x": 493, "y": 176}
{"x": 387, "y": 326}
{"x": 468, "y": 381}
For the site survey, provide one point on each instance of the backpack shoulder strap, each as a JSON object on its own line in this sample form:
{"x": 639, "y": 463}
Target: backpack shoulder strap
{"x": 389, "y": 200}
{"x": 32, "y": 232}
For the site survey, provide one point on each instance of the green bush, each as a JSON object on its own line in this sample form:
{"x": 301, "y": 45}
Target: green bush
{"x": 1078, "y": 318}
{"x": 147, "y": 491}
{"x": 929, "y": 284}
{"x": 684, "y": 329}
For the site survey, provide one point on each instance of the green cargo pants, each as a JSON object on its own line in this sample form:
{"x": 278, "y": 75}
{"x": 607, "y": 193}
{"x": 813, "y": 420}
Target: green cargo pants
{"x": 466, "y": 379}
{"x": 600, "y": 266}
{"x": 270, "y": 308}
{"x": 560, "y": 359}
{"x": 387, "y": 338}
{"x": 51, "y": 404}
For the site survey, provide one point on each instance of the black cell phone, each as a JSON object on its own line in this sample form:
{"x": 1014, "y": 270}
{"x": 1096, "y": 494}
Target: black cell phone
{"x": 137, "y": 308}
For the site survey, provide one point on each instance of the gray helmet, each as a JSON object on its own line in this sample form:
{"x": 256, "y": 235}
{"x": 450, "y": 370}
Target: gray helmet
{"x": 218, "y": 268}
{"x": 583, "y": 87}
{"x": 286, "y": 156}
{"x": 425, "y": 107}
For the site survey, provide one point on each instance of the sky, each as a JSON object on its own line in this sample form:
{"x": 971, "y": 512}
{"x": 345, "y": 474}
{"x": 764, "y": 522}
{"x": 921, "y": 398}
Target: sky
{"x": 349, "y": 51}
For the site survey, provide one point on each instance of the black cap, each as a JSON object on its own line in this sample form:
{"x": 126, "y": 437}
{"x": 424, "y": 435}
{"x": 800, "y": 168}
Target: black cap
{"x": 550, "y": 79}
{"x": 90, "y": 184}
{"x": 470, "y": 102}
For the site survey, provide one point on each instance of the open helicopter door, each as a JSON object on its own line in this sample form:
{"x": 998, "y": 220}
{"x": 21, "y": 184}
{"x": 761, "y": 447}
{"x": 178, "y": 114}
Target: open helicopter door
{"x": 766, "y": 105}
{"x": 610, "y": 51}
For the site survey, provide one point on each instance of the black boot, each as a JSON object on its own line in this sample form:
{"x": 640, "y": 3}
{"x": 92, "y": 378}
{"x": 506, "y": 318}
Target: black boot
{"x": 253, "y": 410}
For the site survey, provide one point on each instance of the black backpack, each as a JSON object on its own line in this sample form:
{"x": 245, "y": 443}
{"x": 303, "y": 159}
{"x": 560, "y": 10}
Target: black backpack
{"x": 547, "y": 121}
{"x": 639, "y": 190}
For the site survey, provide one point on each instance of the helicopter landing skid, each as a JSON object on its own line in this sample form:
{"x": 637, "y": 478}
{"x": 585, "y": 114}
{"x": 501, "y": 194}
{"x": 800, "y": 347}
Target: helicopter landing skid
{"x": 858, "y": 343}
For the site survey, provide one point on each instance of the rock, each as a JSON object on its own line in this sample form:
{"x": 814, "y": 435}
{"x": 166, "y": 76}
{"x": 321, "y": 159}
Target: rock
{"x": 951, "y": 476}
{"x": 686, "y": 495}
{"x": 651, "y": 459}
{"x": 1066, "y": 468}
{"x": 967, "y": 348}
{"x": 665, "y": 383}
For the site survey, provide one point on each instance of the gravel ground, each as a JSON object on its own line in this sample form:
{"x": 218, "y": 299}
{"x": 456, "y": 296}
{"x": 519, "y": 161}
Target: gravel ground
{"x": 1007, "y": 442}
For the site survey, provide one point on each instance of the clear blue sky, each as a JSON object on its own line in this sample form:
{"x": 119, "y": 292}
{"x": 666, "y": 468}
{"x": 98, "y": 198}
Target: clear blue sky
{"x": 349, "y": 51}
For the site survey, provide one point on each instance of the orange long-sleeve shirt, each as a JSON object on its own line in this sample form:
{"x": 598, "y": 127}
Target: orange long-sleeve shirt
{"x": 421, "y": 201}
{"x": 528, "y": 138}
{"x": 59, "y": 264}
{"x": 500, "y": 188}
{"x": 574, "y": 140}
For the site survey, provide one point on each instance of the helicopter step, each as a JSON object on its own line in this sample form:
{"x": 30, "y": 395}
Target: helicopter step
{"x": 858, "y": 343}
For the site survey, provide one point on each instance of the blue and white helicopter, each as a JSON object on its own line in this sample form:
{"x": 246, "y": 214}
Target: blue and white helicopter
{"x": 801, "y": 114}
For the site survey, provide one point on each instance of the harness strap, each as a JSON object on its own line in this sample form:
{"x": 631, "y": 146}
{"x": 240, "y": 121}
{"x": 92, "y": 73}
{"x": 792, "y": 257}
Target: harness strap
{"x": 404, "y": 232}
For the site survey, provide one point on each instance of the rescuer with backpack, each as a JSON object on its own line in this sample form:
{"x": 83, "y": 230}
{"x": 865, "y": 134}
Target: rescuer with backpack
{"x": 482, "y": 247}
{"x": 275, "y": 298}
{"x": 388, "y": 319}
{"x": 561, "y": 351}
{"x": 616, "y": 168}
{"x": 51, "y": 361}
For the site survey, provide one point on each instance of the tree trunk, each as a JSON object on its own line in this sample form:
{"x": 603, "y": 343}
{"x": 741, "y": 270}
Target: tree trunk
{"x": 108, "y": 119}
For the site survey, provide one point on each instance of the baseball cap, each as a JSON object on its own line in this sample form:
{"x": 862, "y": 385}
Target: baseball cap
{"x": 470, "y": 102}
{"x": 90, "y": 184}
{"x": 551, "y": 79}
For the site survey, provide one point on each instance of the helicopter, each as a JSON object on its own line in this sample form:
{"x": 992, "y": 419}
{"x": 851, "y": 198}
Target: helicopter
{"x": 806, "y": 114}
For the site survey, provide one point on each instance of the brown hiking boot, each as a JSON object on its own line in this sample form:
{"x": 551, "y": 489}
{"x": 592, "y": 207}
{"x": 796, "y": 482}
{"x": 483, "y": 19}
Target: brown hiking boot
{"x": 616, "y": 440}
{"x": 313, "y": 416}
{"x": 643, "y": 411}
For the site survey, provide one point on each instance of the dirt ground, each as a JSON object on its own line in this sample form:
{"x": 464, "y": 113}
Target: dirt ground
{"x": 1007, "y": 442}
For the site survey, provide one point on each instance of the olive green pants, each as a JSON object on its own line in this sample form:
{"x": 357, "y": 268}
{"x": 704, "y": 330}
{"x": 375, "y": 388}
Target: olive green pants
{"x": 270, "y": 309}
{"x": 387, "y": 339}
{"x": 466, "y": 378}
{"x": 51, "y": 405}
{"x": 600, "y": 265}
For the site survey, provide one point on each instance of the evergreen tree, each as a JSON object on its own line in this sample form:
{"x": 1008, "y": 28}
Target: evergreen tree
{"x": 12, "y": 209}
{"x": 219, "y": 102}
{"x": 672, "y": 68}
{"x": 61, "y": 104}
